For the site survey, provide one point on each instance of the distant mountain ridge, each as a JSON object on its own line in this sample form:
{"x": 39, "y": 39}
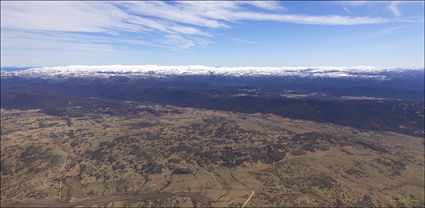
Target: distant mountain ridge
{"x": 368, "y": 98}
{"x": 367, "y": 72}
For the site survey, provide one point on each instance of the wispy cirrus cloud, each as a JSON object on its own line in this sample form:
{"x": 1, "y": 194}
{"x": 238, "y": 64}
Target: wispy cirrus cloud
{"x": 181, "y": 24}
{"x": 221, "y": 14}
{"x": 390, "y": 30}
{"x": 390, "y": 6}
{"x": 394, "y": 8}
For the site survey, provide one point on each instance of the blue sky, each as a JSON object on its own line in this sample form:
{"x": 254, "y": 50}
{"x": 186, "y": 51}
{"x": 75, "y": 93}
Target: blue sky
{"x": 225, "y": 33}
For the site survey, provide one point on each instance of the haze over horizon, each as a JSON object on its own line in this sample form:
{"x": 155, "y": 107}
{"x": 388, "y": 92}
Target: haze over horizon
{"x": 271, "y": 33}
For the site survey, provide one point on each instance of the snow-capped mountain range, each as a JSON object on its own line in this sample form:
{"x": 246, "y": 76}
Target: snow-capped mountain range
{"x": 182, "y": 70}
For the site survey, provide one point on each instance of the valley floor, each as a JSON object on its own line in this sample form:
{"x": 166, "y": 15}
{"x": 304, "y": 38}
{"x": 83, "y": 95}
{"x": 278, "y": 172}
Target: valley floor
{"x": 169, "y": 156}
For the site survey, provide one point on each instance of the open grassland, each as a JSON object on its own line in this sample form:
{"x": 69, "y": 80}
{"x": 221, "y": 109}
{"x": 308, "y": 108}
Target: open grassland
{"x": 168, "y": 156}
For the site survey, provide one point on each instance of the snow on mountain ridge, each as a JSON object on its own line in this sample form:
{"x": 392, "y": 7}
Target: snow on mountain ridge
{"x": 176, "y": 70}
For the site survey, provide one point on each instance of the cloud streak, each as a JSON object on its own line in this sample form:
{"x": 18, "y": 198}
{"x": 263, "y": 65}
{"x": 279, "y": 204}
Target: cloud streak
{"x": 394, "y": 9}
{"x": 220, "y": 14}
{"x": 177, "y": 24}
{"x": 185, "y": 24}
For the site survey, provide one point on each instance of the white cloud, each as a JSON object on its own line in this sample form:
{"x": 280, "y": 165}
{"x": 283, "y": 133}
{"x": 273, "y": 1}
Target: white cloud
{"x": 306, "y": 19}
{"x": 220, "y": 14}
{"x": 131, "y": 16}
{"x": 181, "y": 24}
{"x": 182, "y": 12}
{"x": 177, "y": 40}
{"x": 394, "y": 9}
{"x": 271, "y": 5}
{"x": 63, "y": 16}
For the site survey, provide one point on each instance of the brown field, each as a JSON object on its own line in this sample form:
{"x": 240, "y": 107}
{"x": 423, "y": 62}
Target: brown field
{"x": 168, "y": 156}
